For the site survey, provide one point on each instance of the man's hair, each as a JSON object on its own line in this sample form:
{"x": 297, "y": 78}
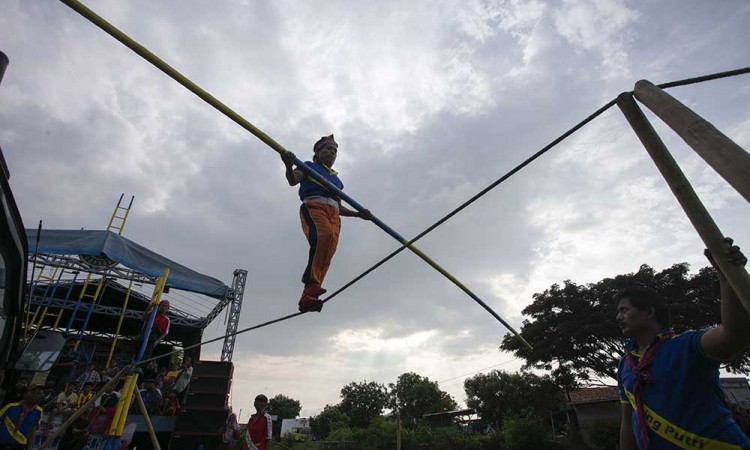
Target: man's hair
{"x": 261, "y": 398}
{"x": 644, "y": 298}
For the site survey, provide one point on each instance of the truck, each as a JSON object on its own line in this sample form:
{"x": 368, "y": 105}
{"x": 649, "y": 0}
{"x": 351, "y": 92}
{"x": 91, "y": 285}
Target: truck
{"x": 297, "y": 429}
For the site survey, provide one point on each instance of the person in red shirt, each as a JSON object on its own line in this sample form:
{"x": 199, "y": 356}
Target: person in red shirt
{"x": 258, "y": 436}
{"x": 159, "y": 330}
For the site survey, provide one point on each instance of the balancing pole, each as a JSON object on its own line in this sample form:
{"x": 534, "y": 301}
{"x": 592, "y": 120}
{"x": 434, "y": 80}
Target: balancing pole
{"x": 211, "y": 100}
{"x": 700, "y": 218}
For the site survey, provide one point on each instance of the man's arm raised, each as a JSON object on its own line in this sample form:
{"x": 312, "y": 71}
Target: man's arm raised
{"x": 725, "y": 341}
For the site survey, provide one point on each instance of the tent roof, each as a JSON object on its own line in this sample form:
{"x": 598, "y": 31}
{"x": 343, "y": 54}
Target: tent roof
{"x": 127, "y": 253}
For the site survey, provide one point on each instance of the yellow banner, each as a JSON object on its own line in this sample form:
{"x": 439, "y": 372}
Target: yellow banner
{"x": 676, "y": 435}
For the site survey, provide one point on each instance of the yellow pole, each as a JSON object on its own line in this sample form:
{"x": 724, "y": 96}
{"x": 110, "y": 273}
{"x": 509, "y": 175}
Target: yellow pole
{"x": 119, "y": 323}
{"x": 36, "y": 313}
{"x": 126, "y": 406}
{"x": 118, "y": 409}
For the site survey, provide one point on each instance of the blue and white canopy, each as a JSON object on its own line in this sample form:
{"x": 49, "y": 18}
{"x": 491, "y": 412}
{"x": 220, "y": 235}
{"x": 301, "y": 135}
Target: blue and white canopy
{"x": 127, "y": 253}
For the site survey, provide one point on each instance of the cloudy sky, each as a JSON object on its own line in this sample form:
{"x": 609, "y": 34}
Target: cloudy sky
{"x": 430, "y": 101}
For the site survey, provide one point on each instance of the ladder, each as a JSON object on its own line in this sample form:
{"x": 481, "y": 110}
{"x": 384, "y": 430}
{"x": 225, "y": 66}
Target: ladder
{"x": 39, "y": 317}
{"x": 91, "y": 292}
{"x": 37, "y": 289}
{"x": 120, "y": 215}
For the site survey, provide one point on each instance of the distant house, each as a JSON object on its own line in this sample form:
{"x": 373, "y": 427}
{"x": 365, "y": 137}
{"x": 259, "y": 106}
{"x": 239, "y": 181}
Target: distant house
{"x": 594, "y": 405}
{"x": 736, "y": 391}
{"x": 463, "y": 417}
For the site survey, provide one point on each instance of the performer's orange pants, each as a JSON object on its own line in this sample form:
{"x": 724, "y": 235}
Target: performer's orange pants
{"x": 321, "y": 224}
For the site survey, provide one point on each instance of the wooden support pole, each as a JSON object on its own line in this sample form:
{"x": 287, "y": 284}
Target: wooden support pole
{"x": 730, "y": 160}
{"x": 147, "y": 419}
{"x": 705, "y": 226}
{"x": 76, "y": 414}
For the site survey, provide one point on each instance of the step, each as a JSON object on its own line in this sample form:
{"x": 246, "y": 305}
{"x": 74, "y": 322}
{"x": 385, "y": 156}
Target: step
{"x": 195, "y": 442}
{"x": 189, "y": 422}
{"x": 217, "y": 369}
{"x": 199, "y": 400}
{"x": 209, "y": 384}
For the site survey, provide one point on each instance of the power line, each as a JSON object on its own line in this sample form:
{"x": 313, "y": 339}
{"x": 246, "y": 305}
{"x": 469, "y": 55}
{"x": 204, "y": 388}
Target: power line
{"x": 480, "y": 370}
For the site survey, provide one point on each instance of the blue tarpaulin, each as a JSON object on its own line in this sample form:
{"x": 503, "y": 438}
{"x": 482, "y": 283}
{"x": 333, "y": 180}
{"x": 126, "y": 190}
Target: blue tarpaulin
{"x": 127, "y": 253}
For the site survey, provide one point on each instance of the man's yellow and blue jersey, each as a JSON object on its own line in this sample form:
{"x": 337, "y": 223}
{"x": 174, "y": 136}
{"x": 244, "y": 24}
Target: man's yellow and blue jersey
{"x": 15, "y": 429}
{"x": 685, "y": 406}
{"x": 311, "y": 188}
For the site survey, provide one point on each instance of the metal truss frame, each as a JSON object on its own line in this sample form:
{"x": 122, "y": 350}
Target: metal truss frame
{"x": 73, "y": 263}
{"x": 233, "y": 319}
{"x": 114, "y": 311}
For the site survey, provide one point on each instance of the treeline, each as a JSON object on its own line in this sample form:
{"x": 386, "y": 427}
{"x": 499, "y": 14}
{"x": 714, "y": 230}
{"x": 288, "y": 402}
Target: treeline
{"x": 370, "y": 413}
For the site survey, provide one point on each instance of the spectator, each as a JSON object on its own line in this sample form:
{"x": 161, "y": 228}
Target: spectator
{"x": 18, "y": 420}
{"x": 84, "y": 395}
{"x": 63, "y": 371}
{"x": 172, "y": 404}
{"x": 89, "y": 376}
{"x": 107, "y": 404}
{"x": 173, "y": 372}
{"x": 77, "y": 434}
{"x": 152, "y": 398}
{"x": 258, "y": 434}
{"x": 183, "y": 379}
{"x": 159, "y": 329}
{"x": 159, "y": 379}
{"x": 47, "y": 400}
{"x": 110, "y": 371}
{"x": 16, "y": 394}
{"x": 66, "y": 402}
{"x": 230, "y": 432}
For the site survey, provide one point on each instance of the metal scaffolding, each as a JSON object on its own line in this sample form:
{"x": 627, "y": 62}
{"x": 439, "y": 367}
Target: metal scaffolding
{"x": 236, "y": 292}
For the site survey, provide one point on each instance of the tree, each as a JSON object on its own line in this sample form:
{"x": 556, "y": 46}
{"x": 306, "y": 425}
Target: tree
{"x": 362, "y": 402}
{"x": 414, "y": 396}
{"x": 498, "y": 394}
{"x": 573, "y": 327}
{"x": 330, "y": 419}
{"x": 283, "y": 407}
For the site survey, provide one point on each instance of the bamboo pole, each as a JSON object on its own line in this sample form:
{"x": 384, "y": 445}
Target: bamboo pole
{"x": 147, "y": 419}
{"x": 78, "y": 413}
{"x": 122, "y": 406}
{"x": 700, "y": 218}
{"x": 730, "y": 160}
{"x": 128, "y": 396}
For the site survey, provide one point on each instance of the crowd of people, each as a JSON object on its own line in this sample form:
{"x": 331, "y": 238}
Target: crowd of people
{"x": 44, "y": 407}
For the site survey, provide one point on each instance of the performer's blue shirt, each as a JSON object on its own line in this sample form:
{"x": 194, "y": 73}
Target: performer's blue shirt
{"x": 15, "y": 429}
{"x": 310, "y": 188}
{"x": 685, "y": 406}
